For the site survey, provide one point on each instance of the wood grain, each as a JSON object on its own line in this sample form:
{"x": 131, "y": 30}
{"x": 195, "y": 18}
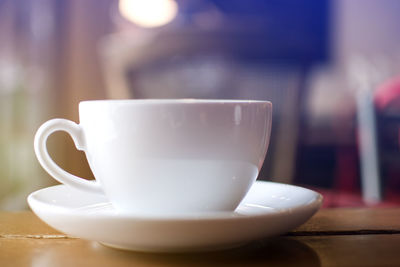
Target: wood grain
{"x": 337, "y": 237}
{"x": 384, "y": 220}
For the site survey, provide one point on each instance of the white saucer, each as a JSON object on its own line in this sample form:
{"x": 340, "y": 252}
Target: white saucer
{"x": 268, "y": 209}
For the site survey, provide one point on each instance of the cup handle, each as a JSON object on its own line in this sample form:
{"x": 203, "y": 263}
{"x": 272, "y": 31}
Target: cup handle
{"x": 75, "y": 131}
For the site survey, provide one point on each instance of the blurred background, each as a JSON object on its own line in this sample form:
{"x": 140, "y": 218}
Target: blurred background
{"x": 331, "y": 69}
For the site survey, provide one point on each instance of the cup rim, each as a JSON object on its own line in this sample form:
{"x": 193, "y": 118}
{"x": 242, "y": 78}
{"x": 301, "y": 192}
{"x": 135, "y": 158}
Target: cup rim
{"x": 177, "y": 101}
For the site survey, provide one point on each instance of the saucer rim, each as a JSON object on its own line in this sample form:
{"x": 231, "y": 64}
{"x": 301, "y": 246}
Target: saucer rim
{"x": 314, "y": 204}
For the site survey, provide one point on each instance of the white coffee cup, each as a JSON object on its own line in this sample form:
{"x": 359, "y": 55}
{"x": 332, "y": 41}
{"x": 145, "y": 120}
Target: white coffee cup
{"x": 166, "y": 157}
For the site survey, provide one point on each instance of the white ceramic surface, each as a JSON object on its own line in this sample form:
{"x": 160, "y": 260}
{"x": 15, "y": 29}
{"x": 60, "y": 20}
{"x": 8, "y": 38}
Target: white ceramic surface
{"x": 268, "y": 209}
{"x": 166, "y": 156}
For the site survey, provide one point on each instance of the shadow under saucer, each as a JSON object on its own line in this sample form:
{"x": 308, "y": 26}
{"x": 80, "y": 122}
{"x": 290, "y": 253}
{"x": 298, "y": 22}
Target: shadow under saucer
{"x": 284, "y": 251}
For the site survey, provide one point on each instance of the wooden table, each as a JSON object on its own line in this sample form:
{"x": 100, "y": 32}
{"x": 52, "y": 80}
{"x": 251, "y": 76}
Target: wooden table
{"x": 333, "y": 237}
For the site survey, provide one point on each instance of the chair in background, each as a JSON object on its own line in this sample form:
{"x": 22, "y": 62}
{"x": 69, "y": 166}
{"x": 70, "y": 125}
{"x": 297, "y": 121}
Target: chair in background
{"x": 387, "y": 105}
{"x": 237, "y": 50}
{"x": 198, "y": 64}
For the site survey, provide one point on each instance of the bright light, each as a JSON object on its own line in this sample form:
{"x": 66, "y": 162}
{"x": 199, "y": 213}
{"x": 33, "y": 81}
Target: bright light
{"x": 148, "y": 13}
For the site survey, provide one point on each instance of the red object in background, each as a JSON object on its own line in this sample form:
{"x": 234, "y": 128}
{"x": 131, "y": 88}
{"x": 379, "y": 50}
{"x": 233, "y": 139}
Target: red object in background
{"x": 387, "y": 96}
{"x": 387, "y": 100}
{"x": 387, "y": 103}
